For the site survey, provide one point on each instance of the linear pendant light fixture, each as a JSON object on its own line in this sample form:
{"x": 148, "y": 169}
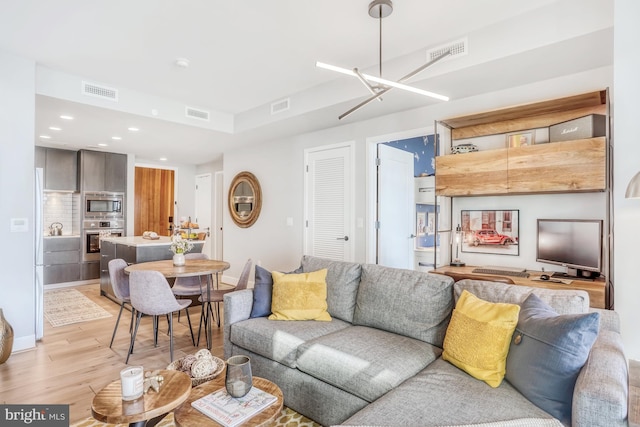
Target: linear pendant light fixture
{"x": 381, "y": 9}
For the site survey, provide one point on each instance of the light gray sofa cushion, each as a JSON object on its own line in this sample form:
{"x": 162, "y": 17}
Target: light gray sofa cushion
{"x": 443, "y": 395}
{"x": 278, "y": 340}
{"x": 409, "y": 303}
{"x": 342, "y": 284}
{"x": 569, "y": 301}
{"x": 364, "y": 361}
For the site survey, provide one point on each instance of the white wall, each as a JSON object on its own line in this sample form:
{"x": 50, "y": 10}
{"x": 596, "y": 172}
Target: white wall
{"x": 627, "y": 163}
{"x": 17, "y": 118}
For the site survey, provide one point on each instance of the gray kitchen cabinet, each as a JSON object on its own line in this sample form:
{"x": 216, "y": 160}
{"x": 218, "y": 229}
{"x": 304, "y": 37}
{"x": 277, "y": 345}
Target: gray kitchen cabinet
{"x": 60, "y": 168}
{"x": 107, "y": 253}
{"x": 101, "y": 171}
{"x": 61, "y": 259}
{"x": 90, "y": 270}
{"x": 115, "y": 178}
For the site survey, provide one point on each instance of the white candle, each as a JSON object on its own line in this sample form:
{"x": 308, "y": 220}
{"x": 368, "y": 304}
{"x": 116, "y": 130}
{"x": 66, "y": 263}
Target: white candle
{"x": 132, "y": 382}
{"x": 238, "y": 388}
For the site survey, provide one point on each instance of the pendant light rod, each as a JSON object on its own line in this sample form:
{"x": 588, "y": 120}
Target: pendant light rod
{"x": 389, "y": 87}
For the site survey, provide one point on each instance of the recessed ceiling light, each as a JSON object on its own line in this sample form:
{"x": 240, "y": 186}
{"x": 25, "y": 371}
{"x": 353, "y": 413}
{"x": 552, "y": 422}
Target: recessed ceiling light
{"x": 133, "y": 129}
{"x": 65, "y": 117}
{"x": 164, "y": 159}
{"x": 116, "y": 138}
{"x": 182, "y": 62}
{"x": 45, "y": 137}
{"x": 54, "y": 128}
{"x": 103, "y": 144}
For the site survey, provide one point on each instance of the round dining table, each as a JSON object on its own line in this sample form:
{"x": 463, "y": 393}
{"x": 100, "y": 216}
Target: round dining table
{"x": 209, "y": 268}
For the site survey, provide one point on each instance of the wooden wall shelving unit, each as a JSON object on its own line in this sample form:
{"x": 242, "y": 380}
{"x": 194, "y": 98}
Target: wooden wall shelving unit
{"x": 581, "y": 165}
{"x": 568, "y": 166}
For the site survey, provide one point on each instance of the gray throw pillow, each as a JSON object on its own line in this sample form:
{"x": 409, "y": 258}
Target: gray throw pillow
{"x": 262, "y": 290}
{"x": 546, "y": 354}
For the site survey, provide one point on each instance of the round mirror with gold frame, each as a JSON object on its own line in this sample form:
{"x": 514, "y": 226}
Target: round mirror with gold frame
{"x": 245, "y": 199}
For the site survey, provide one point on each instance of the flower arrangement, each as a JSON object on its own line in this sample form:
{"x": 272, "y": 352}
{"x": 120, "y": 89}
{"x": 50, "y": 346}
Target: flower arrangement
{"x": 180, "y": 245}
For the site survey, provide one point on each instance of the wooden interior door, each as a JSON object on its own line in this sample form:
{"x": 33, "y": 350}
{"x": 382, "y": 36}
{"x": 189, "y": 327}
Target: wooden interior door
{"x": 154, "y": 197}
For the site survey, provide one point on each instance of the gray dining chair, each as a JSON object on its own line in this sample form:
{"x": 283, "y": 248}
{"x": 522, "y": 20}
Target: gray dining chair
{"x": 216, "y": 297}
{"x": 151, "y": 295}
{"x": 188, "y": 287}
{"x": 120, "y": 285}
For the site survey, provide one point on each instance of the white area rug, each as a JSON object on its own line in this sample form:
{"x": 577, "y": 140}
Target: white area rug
{"x": 66, "y": 306}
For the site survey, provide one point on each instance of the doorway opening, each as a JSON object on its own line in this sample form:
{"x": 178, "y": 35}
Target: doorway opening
{"x": 403, "y": 221}
{"x": 154, "y": 205}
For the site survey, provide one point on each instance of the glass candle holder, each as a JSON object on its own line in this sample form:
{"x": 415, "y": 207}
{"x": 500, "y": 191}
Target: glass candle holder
{"x": 132, "y": 380}
{"x": 238, "y": 380}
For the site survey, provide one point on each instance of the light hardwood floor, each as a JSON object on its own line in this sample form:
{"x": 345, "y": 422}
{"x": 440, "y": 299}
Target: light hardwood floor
{"x": 72, "y": 363}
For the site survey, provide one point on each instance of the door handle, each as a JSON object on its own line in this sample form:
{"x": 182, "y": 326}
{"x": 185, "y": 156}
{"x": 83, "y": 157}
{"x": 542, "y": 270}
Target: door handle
{"x": 412, "y": 236}
{"x": 345, "y": 238}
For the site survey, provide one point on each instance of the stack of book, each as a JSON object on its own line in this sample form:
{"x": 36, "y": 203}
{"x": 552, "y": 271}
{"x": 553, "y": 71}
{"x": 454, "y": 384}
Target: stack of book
{"x": 231, "y": 411}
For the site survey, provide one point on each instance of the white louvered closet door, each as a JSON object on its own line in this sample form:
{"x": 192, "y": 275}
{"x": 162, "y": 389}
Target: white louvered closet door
{"x": 329, "y": 203}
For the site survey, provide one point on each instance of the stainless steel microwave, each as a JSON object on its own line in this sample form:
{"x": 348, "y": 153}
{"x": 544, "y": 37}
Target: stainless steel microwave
{"x": 103, "y": 205}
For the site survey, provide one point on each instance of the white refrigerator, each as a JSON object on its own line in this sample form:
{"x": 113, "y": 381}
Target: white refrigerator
{"x": 39, "y": 253}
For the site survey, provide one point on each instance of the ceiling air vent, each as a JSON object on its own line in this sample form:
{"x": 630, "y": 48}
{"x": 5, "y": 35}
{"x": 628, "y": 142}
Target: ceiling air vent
{"x": 194, "y": 113}
{"x": 457, "y": 48}
{"x": 100, "y": 91}
{"x": 280, "y": 106}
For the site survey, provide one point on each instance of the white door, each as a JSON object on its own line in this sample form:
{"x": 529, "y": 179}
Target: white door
{"x": 203, "y": 209}
{"x": 396, "y": 231}
{"x": 329, "y": 202}
{"x": 217, "y": 232}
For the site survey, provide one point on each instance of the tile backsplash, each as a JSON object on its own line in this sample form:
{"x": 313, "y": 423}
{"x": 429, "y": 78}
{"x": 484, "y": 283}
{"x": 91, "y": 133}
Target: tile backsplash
{"x": 63, "y": 208}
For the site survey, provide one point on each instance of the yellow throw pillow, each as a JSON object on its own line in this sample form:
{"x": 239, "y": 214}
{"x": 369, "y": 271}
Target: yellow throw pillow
{"x": 478, "y": 337}
{"x": 299, "y": 296}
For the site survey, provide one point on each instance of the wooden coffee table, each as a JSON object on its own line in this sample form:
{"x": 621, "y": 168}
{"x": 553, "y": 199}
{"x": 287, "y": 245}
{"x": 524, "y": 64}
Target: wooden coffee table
{"x": 108, "y": 406}
{"x": 187, "y": 416}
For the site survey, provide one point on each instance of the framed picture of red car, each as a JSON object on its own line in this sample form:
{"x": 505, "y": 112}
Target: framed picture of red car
{"x": 490, "y": 231}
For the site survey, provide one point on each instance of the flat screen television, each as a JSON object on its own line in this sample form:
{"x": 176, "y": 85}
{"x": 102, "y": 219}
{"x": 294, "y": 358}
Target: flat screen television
{"x": 572, "y": 243}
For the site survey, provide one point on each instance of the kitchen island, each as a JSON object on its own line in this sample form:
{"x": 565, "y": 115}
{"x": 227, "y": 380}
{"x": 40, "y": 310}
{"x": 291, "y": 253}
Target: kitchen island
{"x": 134, "y": 250}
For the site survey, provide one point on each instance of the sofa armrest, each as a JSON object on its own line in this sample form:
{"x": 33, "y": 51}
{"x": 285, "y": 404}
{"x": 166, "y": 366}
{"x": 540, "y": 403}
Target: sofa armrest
{"x": 609, "y": 319}
{"x": 601, "y": 392}
{"x": 237, "y": 307}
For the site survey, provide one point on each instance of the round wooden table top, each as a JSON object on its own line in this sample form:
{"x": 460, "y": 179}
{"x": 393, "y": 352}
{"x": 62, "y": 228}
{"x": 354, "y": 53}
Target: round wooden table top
{"x": 188, "y": 416}
{"x": 192, "y": 267}
{"x": 108, "y": 406}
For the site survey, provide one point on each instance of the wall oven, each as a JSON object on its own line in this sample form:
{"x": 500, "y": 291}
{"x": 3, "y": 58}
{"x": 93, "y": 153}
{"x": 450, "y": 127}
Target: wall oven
{"x": 103, "y": 205}
{"x": 94, "y": 231}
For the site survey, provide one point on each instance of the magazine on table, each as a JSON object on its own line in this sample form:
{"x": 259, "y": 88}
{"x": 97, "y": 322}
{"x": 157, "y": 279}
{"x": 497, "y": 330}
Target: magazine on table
{"x": 231, "y": 411}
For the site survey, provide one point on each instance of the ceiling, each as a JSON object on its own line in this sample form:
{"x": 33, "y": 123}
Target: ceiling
{"x": 243, "y": 56}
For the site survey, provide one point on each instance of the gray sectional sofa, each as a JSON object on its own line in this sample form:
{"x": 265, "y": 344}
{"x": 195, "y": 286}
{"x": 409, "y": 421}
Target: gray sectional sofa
{"x": 378, "y": 361}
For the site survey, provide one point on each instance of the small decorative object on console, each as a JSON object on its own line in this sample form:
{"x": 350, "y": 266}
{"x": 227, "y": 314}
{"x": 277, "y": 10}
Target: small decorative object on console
{"x": 520, "y": 139}
{"x": 463, "y": 148}
{"x": 590, "y": 126}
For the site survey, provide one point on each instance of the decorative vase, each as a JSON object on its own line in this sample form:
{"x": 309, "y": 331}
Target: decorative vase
{"x": 238, "y": 379}
{"x": 178, "y": 260}
{"x": 6, "y": 338}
